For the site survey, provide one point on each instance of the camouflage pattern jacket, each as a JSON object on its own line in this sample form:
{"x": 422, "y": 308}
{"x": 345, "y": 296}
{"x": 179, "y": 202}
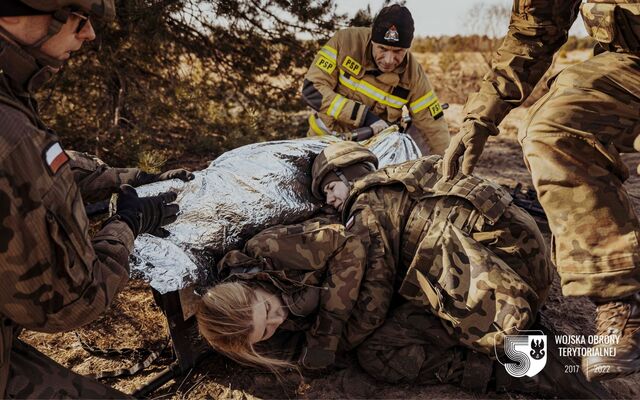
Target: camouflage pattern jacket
{"x": 347, "y": 90}
{"x": 444, "y": 242}
{"x": 318, "y": 268}
{"x": 537, "y": 30}
{"x": 97, "y": 181}
{"x": 54, "y": 276}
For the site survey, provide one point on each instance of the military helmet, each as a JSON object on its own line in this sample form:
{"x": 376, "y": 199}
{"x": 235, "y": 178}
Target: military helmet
{"x": 335, "y": 157}
{"x": 104, "y": 9}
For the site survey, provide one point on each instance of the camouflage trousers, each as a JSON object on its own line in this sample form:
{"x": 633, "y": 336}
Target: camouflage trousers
{"x": 32, "y": 375}
{"x": 571, "y": 144}
{"x": 413, "y": 346}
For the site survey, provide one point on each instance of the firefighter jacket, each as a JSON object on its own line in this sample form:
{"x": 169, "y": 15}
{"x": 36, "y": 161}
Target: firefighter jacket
{"x": 347, "y": 91}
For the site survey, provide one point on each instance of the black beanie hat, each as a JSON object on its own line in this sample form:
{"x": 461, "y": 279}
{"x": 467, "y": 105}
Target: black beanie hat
{"x": 16, "y": 8}
{"x": 393, "y": 26}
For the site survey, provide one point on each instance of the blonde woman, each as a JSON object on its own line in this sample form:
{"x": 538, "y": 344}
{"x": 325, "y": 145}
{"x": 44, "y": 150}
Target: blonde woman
{"x": 298, "y": 278}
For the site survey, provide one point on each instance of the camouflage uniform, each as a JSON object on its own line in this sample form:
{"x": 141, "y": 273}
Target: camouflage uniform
{"x": 347, "y": 91}
{"x": 97, "y": 181}
{"x": 573, "y": 136}
{"x": 318, "y": 268}
{"x": 485, "y": 273}
{"x": 459, "y": 249}
{"x": 54, "y": 276}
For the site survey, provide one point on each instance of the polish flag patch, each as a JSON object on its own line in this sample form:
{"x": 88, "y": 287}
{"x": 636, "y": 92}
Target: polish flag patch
{"x": 55, "y": 157}
{"x": 350, "y": 222}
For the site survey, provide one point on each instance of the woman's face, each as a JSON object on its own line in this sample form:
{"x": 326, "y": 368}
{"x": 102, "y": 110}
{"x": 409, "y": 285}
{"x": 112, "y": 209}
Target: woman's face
{"x": 269, "y": 312}
{"x": 337, "y": 192}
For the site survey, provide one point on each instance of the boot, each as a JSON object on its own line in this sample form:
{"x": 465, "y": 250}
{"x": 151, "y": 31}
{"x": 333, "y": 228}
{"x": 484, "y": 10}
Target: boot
{"x": 620, "y": 320}
{"x": 552, "y": 381}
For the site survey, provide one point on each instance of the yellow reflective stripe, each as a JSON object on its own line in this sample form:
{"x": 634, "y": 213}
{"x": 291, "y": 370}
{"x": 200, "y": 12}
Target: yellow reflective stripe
{"x": 341, "y": 106}
{"x": 371, "y": 91}
{"x": 336, "y": 106}
{"x": 423, "y": 102}
{"x": 329, "y": 52}
{"x": 317, "y": 126}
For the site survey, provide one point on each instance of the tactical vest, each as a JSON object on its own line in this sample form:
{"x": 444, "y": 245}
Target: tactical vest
{"x": 615, "y": 24}
{"x": 421, "y": 179}
{"x": 466, "y": 202}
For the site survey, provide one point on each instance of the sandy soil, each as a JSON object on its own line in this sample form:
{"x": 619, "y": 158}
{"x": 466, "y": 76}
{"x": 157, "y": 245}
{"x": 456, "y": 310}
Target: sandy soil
{"x": 134, "y": 321}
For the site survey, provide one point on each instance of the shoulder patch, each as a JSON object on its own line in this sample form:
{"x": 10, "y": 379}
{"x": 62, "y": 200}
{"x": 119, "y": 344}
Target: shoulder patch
{"x": 54, "y": 157}
{"x": 352, "y": 65}
{"x": 350, "y": 222}
{"x": 325, "y": 64}
{"x": 436, "y": 110}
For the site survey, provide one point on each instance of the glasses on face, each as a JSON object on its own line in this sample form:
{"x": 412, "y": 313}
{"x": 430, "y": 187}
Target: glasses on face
{"x": 83, "y": 18}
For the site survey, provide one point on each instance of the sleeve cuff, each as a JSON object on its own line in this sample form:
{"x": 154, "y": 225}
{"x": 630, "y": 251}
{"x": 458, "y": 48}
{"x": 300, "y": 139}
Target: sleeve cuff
{"x": 370, "y": 118}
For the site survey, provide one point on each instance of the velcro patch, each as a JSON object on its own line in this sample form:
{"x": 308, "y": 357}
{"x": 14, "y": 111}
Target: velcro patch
{"x": 436, "y": 110}
{"x": 351, "y": 65}
{"x": 54, "y": 157}
{"x": 326, "y": 64}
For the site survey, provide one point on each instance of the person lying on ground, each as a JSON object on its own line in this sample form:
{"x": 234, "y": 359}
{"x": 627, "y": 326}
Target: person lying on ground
{"x": 470, "y": 265}
{"x": 251, "y": 317}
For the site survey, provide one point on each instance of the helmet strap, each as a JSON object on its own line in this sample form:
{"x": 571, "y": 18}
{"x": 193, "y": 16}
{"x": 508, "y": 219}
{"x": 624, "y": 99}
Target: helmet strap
{"x": 343, "y": 178}
{"x": 27, "y": 70}
{"x": 59, "y": 18}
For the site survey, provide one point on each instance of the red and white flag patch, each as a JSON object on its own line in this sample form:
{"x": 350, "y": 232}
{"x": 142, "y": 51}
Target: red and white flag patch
{"x": 55, "y": 157}
{"x": 350, "y": 222}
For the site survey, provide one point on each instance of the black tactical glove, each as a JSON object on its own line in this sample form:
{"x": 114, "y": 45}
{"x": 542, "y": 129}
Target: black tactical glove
{"x": 142, "y": 178}
{"x": 146, "y": 214}
{"x": 314, "y": 358}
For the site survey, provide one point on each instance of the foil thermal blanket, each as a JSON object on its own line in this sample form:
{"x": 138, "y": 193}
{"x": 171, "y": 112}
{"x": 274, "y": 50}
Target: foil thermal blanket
{"x": 241, "y": 193}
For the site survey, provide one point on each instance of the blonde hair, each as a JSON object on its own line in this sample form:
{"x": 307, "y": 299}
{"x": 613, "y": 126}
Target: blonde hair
{"x": 225, "y": 320}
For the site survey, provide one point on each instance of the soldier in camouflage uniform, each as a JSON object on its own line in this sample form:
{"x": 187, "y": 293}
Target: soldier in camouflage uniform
{"x": 318, "y": 271}
{"x": 470, "y": 266}
{"x": 460, "y": 249}
{"x": 572, "y": 141}
{"x": 364, "y": 77}
{"x": 54, "y": 276}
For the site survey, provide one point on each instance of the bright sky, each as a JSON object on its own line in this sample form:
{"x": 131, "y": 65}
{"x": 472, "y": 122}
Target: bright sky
{"x": 434, "y": 17}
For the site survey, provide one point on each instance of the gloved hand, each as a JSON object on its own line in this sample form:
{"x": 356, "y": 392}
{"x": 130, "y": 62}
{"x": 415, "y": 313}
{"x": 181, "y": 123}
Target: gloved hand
{"x": 184, "y": 175}
{"x": 378, "y": 126}
{"x": 315, "y": 358}
{"x": 468, "y": 143}
{"x": 146, "y": 214}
